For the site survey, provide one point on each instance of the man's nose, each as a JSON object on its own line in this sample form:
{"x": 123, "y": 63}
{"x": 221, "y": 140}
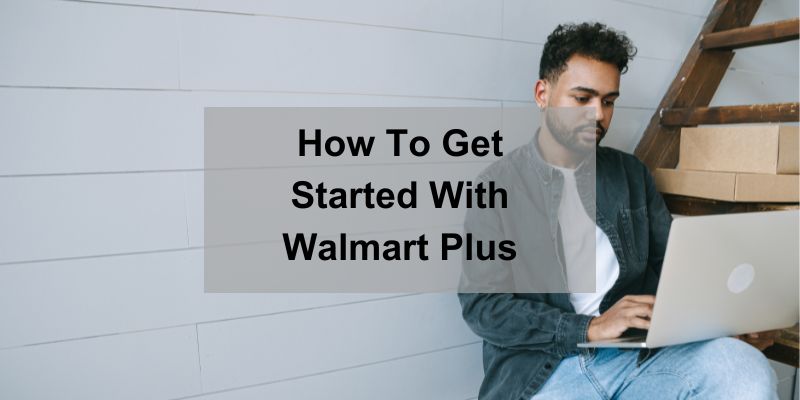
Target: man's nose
{"x": 599, "y": 115}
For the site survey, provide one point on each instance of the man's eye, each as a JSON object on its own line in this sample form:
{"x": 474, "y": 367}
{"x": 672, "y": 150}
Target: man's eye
{"x": 609, "y": 103}
{"x": 582, "y": 99}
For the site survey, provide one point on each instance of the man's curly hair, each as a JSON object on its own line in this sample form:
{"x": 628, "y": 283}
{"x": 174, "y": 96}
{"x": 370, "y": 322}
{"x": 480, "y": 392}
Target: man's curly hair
{"x": 593, "y": 40}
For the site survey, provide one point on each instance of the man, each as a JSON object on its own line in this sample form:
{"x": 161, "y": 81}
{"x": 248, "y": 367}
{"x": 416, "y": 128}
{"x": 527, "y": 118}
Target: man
{"x": 530, "y": 338}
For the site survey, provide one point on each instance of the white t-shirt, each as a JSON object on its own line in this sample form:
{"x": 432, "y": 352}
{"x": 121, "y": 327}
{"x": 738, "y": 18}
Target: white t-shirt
{"x": 585, "y": 245}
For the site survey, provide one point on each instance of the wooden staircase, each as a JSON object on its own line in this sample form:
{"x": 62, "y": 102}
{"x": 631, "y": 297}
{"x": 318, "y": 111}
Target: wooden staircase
{"x": 686, "y": 103}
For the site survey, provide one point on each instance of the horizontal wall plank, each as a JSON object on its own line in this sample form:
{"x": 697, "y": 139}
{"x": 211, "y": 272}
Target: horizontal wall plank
{"x": 111, "y": 295}
{"x": 452, "y": 374}
{"x": 775, "y": 59}
{"x": 57, "y": 43}
{"x": 183, "y": 4}
{"x": 150, "y": 130}
{"x": 466, "y": 17}
{"x": 363, "y": 61}
{"x": 778, "y": 59}
{"x": 195, "y": 208}
{"x": 656, "y": 33}
{"x": 740, "y": 87}
{"x": 776, "y": 10}
{"x": 98, "y": 131}
{"x": 470, "y": 17}
{"x": 160, "y": 364}
{"x": 254, "y": 350}
{"x": 217, "y": 53}
{"x": 145, "y": 130}
{"x": 700, "y": 8}
{"x": 73, "y": 216}
{"x": 141, "y": 130}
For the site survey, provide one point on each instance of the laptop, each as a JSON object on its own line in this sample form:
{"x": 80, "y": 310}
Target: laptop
{"x": 724, "y": 275}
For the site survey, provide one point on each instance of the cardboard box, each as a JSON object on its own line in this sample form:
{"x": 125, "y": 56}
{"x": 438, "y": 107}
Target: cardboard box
{"x": 758, "y": 149}
{"x": 729, "y": 186}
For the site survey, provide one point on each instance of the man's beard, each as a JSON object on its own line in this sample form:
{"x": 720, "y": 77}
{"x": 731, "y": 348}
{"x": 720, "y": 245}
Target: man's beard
{"x": 566, "y": 127}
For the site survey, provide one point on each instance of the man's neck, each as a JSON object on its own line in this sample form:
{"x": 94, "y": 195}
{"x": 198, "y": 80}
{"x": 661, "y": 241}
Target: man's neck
{"x": 554, "y": 153}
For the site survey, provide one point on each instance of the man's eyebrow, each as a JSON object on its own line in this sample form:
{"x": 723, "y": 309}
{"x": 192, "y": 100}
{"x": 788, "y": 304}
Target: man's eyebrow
{"x": 594, "y": 92}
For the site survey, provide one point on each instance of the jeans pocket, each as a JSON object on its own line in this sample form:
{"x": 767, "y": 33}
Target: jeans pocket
{"x": 588, "y": 355}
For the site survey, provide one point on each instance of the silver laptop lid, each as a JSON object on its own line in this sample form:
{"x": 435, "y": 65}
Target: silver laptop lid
{"x": 727, "y": 275}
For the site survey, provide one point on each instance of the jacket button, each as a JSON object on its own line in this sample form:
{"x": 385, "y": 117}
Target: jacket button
{"x": 547, "y": 366}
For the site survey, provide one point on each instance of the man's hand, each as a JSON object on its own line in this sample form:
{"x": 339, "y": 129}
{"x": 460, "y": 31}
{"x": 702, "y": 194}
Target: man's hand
{"x": 760, "y": 340}
{"x": 629, "y": 312}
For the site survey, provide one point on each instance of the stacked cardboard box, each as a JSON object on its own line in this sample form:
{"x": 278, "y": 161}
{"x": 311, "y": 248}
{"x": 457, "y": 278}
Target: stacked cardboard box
{"x": 754, "y": 163}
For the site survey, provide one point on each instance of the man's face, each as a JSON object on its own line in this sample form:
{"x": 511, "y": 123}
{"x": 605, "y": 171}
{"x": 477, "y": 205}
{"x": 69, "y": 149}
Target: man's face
{"x": 580, "y": 104}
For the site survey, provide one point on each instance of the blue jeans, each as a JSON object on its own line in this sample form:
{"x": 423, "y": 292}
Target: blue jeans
{"x": 724, "y": 368}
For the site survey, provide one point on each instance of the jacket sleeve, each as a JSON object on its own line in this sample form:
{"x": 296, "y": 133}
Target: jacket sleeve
{"x": 508, "y": 321}
{"x": 503, "y": 318}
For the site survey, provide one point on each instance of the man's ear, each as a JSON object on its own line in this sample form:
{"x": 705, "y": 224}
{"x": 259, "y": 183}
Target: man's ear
{"x": 540, "y": 93}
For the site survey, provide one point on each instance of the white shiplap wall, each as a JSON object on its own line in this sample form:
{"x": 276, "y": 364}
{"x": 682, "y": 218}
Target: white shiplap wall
{"x": 101, "y": 107}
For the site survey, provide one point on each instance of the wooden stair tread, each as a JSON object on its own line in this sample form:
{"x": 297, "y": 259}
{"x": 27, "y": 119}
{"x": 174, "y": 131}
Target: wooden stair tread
{"x": 776, "y": 112}
{"x": 685, "y": 205}
{"x": 754, "y": 35}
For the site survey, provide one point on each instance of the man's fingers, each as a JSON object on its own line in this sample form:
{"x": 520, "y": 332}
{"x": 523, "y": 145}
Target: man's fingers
{"x": 641, "y": 310}
{"x": 640, "y": 298}
{"x": 761, "y": 344}
{"x": 769, "y": 334}
{"x": 636, "y": 322}
{"x": 765, "y": 335}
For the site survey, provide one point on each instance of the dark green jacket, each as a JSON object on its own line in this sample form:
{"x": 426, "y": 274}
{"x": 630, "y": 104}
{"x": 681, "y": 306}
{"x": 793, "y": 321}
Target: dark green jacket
{"x": 525, "y": 335}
